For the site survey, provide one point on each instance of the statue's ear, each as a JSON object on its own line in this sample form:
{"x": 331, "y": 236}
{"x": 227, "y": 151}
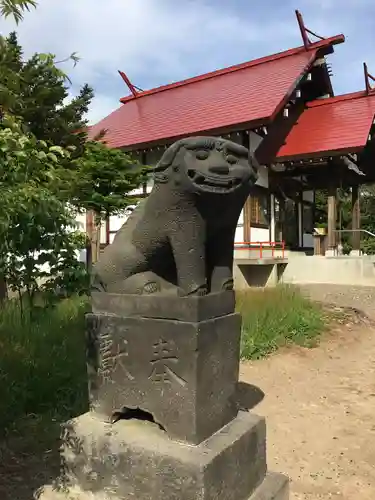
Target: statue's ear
{"x": 161, "y": 170}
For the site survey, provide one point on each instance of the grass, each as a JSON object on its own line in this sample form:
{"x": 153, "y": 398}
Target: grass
{"x": 276, "y": 317}
{"x": 42, "y": 362}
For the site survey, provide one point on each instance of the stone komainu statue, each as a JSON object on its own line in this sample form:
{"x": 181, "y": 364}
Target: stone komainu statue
{"x": 180, "y": 239}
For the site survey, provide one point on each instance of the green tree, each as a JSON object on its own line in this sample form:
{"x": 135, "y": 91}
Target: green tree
{"x": 367, "y": 207}
{"x": 344, "y": 219}
{"x": 32, "y": 94}
{"x": 16, "y": 8}
{"x": 36, "y": 92}
{"x": 91, "y": 177}
{"x": 100, "y": 182}
{"x": 38, "y": 241}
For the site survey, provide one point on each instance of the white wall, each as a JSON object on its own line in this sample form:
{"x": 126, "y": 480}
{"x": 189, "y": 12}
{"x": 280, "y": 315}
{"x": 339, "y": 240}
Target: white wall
{"x": 259, "y": 234}
{"x": 239, "y": 235}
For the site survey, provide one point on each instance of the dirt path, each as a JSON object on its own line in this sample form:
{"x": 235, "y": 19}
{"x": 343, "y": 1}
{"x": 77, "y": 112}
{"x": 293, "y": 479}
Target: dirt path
{"x": 320, "y": 409}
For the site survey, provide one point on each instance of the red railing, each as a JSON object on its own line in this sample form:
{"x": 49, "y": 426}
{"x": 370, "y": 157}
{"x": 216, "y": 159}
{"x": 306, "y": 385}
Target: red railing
{"x": 262, "y": 245}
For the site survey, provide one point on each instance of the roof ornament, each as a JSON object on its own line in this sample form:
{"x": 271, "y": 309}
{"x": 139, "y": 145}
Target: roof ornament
{"x": 133, "y": 88}
{"x": 305, "y": 31}
{"x": 368, "y": 80}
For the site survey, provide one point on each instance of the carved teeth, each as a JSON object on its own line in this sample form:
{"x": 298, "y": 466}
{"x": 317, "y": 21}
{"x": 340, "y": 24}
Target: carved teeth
{"x": 199, "y": 179}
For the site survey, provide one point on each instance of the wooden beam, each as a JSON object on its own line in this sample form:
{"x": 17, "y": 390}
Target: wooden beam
{"x": 302, "y": 28}
{"x": 128, "y": 83}
{"x": 368, "y": 77}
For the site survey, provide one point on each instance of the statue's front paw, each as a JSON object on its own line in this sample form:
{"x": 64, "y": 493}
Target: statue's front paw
{"x": 151, "y": 287}
{"x": 97, "y": 284}
{"x": 199, "y": 291}
{"x": 228, "y": 285}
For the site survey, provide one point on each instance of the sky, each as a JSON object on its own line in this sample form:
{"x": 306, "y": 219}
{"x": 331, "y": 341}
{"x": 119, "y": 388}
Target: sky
{"x": 161, "y": 41}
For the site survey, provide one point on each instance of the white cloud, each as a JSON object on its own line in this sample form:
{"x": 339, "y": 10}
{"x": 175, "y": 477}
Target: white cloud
{"x": 142, "y": 37}
{"x": 159, "y": 41}
{"x": 102, "y": 105}
{"x": 136, "y": 33}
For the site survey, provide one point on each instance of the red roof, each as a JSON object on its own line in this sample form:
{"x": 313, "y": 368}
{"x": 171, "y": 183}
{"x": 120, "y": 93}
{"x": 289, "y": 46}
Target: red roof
{"x": 250, "y": 92}
{"x": 333, "y": 125}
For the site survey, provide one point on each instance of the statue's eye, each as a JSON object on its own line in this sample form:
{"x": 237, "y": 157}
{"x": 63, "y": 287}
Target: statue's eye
{"x": 231, "y": 159}
{"x": 202, "y": 154}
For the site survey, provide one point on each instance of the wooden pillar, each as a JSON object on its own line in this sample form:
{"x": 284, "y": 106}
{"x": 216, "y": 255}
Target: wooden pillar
{"x": 300, "y": 219}
{"x": 245, "y": 141}
{"x": 107, "y": 230}
{"x": 356, "y": 220}
{"x": 247, "y": 221}
{"x": 332, "y": 214}
{"x": 281, "y": 221}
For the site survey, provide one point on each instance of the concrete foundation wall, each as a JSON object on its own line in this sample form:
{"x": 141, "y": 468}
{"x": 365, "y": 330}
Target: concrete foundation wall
{"x": 300, "y": 269}
{"x": 246, "y": 276}
{"x": 336, "y": 270}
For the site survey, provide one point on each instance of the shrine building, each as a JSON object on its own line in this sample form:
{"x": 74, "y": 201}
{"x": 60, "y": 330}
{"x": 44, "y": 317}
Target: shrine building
{"x": 283, "y": 108}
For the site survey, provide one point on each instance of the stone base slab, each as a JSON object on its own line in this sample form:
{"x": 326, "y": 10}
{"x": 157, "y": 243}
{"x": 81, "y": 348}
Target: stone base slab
{"x": 273, "y": 487}
{"x": 136, "y": 460}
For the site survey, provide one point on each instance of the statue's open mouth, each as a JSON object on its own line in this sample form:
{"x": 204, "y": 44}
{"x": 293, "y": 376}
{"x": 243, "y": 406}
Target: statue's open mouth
{"x": 214, "y": 183}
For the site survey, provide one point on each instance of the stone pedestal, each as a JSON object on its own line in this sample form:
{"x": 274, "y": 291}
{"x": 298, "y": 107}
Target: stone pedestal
{"x": 164, "y": 422}
{"x": 183, "y": 373}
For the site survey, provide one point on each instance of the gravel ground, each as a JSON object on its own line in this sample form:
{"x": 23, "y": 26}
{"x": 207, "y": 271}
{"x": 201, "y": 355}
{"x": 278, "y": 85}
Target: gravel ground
{"x": 362, "y": 298}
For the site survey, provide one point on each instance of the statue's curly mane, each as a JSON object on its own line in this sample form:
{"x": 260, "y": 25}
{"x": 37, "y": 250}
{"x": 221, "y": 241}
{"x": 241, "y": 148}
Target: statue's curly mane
{"x": 160, "y": 171}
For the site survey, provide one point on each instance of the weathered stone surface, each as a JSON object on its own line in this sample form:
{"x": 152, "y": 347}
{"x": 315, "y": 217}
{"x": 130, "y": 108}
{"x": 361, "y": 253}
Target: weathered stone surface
{"x": 184, "y": 374}
{"x": 273, "y": 487}
{"x": 180, "y": 239}
{"x": 136, "y": 460}
{"x": 193, "y": 308}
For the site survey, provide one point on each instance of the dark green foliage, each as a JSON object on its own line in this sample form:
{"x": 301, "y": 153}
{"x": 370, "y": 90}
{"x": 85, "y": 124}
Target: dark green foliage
{"x": 38, "y": 241}
{"x": 36, "y": 91}
{"x": 102, "y": 178}
{"x": 48, "y": 172}
{"x": 16, "y": 8}
{"x": 344, "y": 216}
{"x": 367, "y": 203}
